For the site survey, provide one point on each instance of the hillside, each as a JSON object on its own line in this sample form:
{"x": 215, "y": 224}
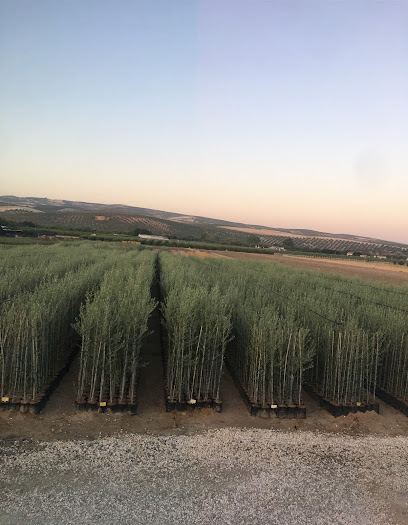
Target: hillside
{"x": 47, "y": 205}
{"x": 109, "y": 219}
{"x": 119, "y": 218}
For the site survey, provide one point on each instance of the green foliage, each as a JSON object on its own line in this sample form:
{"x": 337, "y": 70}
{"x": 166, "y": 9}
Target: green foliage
{"x": 288, "y": 244}
{"x": 35, "y": 324}
{"x": 284, "y": 321}
{"x": 197, "y": 326}
{"x": 112, "y": 324}
{"x": 277, "y": 326}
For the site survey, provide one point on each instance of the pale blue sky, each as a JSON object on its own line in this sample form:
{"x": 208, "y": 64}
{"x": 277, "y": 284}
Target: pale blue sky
{"x": 290, "y": 114}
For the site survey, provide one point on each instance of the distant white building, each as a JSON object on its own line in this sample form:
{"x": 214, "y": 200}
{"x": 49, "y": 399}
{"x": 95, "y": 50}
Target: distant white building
{"x": 157, "y": 237}
{"x": 350, "y": 254}
{"x": 276, "y": 248}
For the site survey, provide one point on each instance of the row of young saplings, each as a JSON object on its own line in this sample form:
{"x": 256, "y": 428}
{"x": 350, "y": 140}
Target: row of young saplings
{"x": 212, "y": 311}
{"x": 365, "y": 352}
{"x": 37, "y": 338}
{"x": 280, "y": 330}
{"x": 265, "y": 320}
{"x": 112, "y": 324}
{"x": 114, "y": 320}
{"x": 27, "y": 269}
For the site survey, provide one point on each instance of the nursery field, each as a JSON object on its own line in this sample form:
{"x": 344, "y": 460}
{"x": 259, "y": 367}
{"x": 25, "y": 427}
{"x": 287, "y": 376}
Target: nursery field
{"x": 281, "y": 340}
{"x": 131, "y": 379}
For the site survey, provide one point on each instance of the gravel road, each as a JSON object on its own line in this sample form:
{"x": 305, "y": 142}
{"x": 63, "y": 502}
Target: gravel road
{"x": 227, "y": 476}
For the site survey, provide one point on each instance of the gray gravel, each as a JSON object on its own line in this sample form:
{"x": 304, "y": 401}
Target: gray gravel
{"x": 229, "y": 476}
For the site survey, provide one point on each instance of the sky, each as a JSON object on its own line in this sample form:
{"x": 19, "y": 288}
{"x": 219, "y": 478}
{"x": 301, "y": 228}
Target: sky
{"x": 287, "y": 114}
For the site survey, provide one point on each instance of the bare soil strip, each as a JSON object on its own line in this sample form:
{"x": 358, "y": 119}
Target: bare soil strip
{"x": 60, "y": 421}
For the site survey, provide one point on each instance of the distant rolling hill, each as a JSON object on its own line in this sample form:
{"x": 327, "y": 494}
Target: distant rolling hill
{"x": 120, "y": 218}
{"x": 44, "y": 204}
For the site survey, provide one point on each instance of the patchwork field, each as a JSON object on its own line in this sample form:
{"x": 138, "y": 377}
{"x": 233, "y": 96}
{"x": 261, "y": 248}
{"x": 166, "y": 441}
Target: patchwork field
{"x": 117, "y": 218}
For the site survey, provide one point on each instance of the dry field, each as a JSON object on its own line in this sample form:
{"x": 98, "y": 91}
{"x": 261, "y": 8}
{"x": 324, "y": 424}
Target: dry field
{"x": 371, "y": 271}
